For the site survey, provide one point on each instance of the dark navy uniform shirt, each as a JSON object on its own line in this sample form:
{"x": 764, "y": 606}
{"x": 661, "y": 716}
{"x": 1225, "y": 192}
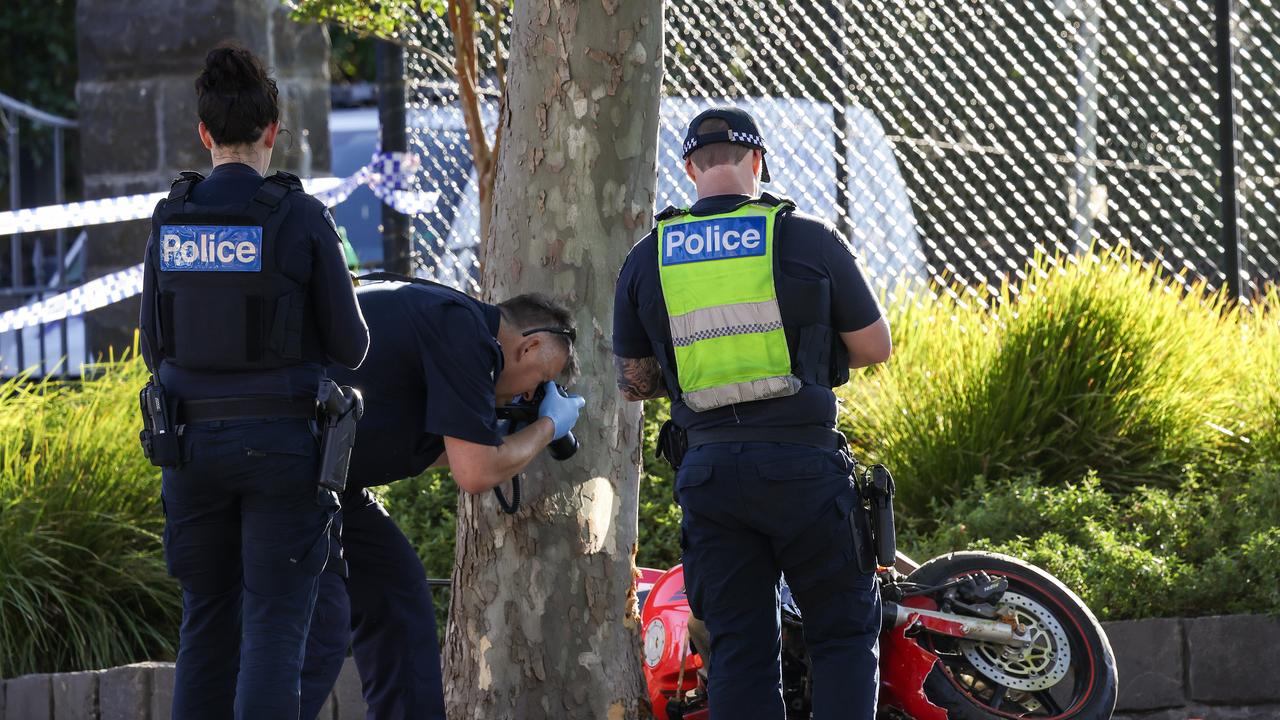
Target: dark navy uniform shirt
{"x": 808, "y": 248}
{"x": 318, "y": 255}
{"x": 431, "y": 369}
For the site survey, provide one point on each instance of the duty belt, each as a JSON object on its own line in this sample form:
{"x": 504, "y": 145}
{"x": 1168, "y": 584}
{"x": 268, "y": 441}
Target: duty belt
{"x": 813, "y": 435}
{"x": 196, "y": 411}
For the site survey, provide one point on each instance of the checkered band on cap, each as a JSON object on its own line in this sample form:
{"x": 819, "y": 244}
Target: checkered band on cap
{"x": 734, "y": 136}
{"x": 748, "y": 138}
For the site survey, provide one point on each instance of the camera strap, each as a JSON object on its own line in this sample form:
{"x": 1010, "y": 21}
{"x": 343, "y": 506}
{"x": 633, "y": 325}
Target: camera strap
{"x": 512, "y": 507}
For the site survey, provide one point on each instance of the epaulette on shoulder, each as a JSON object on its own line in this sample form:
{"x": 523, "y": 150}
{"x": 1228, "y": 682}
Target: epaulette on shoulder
{"x": 774, "y": 200}
{"x": 286, "y": 178}
{"x": 181, "y": 186}
{"x": 670, "y": 212}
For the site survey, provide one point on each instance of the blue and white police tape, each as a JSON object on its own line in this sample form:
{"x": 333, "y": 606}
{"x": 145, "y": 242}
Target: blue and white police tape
{"x": 388, "y": 175}
{"x": 92, "y": 295}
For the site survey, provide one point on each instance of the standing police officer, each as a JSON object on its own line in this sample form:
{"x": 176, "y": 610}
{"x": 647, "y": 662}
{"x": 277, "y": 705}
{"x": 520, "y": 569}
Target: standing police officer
{"x": 747, "y": 313}
{"x": 246, "y": 297}
{"x": 439, "y": 364}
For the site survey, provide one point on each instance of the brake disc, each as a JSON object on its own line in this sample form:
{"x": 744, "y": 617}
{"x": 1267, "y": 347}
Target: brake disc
{"x": 1038, "y": 666}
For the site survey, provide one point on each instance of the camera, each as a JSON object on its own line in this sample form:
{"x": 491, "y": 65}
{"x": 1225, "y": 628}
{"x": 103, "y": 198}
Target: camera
{"x": 521, "y": 414}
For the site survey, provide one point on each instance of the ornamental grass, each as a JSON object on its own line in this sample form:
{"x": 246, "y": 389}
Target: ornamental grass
{"x": 1097, "y": 363}
{"x": 82, "y": 579}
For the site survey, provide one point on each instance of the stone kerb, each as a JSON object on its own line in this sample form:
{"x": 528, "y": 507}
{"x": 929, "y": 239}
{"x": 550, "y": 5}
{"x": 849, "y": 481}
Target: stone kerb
{"x": 1225, "y": 667}
{"x": 1150, "y": 661}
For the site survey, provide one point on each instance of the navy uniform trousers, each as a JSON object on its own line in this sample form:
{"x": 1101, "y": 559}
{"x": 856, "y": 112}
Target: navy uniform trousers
{"x": 247, "y": 538}
{"x": 756, "y": 511}
{"x": 384, "y": 611}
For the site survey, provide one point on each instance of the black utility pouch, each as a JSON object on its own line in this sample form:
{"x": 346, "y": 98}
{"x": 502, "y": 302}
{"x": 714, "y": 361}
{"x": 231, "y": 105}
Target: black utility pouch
{"x": 340, "y": 408}
{"x": 879, "y": 490}
{"x": 673, "y": 443}
{"x": 160, "y": 435}
{"x": 860, "y": 528}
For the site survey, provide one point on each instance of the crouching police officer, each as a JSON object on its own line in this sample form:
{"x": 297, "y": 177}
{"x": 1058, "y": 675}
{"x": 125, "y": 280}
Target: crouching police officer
{"x": 439, "y": 363}
{"x": 747, "y": 313}
{"x": 245, "y": 298}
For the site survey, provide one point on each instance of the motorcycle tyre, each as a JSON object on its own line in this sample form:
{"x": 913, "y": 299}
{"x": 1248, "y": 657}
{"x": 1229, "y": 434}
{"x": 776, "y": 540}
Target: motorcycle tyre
{"x": 940, "y": 690}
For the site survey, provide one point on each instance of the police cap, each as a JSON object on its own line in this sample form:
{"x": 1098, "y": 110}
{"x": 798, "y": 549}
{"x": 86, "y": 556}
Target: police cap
{"x": 742, "y": 131}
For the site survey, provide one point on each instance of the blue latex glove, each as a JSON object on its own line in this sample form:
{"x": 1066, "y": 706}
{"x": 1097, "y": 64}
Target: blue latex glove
{"x": 562, "y": 409}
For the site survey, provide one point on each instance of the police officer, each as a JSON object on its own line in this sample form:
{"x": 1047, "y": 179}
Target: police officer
{"x": 246, "y": 298}
{"x": 438, "y": 365}
{"x": 747, "y": 313}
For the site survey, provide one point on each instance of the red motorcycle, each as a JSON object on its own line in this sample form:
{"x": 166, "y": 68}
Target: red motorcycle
{"x": 969, "y": 635}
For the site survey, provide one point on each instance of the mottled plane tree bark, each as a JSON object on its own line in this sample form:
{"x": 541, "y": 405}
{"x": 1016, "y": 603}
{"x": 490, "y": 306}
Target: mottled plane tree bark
{"x": 543, "y": 616}
{"x": 543, "y": 620}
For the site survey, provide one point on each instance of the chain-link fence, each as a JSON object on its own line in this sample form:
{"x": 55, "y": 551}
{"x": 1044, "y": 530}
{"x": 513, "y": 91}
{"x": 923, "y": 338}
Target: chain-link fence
{"x": 950, "y": 139}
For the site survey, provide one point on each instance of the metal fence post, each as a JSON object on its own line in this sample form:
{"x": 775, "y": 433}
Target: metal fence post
{"x": 1228, "y": 161}
{"x": 838, "y": 83}
{"x": 15, "y": 202}
{"x": 59, "y": 197}
{"x": 1085, "y": 144}
{"x": 396, "y": 226}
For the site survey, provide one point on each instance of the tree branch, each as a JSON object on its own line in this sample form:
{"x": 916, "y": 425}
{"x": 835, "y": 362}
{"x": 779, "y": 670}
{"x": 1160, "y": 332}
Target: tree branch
{"x": 461, "y": 16}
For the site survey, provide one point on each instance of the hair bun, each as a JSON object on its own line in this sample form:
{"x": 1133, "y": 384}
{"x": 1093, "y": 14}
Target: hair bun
{"x": 231, "y": 69}
{"x": 237, "y": 97}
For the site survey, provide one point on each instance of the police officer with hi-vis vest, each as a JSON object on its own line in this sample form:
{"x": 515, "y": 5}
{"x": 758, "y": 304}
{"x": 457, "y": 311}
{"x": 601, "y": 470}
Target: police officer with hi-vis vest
{"x": 246, "y": 298}
{"x": 746, "y": 313}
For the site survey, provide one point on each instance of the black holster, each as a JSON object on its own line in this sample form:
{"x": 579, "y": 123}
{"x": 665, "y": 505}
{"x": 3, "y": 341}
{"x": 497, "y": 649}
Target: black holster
{"x": 860, "y": 529}
{"x": 673, "y": 443}
{"x": 161, "y": 434}
{"x": 878, "y": 490}
{"x": 340, "y": 408}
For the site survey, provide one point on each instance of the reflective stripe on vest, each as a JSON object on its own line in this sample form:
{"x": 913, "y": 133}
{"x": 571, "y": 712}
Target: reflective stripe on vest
{"x": 726, "y": 328}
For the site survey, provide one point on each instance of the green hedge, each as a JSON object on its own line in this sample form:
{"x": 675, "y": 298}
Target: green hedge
{"x": 1206, "y": 548}
{"x": 1097, "y": 419}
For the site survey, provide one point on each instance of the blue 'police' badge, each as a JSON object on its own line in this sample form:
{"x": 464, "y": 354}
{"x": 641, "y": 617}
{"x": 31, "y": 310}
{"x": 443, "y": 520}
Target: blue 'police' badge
{"x": 714, "y": 239}
{"x": 210, "y": 248}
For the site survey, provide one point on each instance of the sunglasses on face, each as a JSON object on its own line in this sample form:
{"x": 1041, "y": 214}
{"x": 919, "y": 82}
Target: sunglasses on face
{"x": 567, "y": 332}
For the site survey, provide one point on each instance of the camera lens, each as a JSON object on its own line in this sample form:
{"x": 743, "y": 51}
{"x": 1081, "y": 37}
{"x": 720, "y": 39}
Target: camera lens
{"x": 564, "y": 448}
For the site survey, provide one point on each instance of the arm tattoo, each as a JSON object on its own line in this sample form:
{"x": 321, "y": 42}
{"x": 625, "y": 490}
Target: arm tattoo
{"x": 639, "y": 378}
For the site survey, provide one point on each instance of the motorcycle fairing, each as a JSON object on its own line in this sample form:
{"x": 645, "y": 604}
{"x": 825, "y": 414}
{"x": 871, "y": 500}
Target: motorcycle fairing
{"x": 903, "y": 667}
{"x": 668, "y": 602}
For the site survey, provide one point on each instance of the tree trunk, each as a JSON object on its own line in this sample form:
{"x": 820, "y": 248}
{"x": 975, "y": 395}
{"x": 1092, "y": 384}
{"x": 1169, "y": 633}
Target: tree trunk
{"x": 543, "y": 620}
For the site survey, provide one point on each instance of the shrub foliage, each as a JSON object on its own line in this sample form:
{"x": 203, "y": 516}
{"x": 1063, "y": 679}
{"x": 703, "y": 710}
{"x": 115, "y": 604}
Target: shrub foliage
{"x": 1098, "y": 419}
{"x": 1096, "y": 365}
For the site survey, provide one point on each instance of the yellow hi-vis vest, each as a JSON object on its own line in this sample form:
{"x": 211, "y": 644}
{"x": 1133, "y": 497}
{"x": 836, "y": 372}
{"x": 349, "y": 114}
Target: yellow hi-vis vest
{"x": 717, "y": 276}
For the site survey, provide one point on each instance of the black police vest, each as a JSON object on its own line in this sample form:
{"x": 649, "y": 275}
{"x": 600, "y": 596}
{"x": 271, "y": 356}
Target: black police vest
{"x": 223, "y": 300}
{"x": 818, "y": 353}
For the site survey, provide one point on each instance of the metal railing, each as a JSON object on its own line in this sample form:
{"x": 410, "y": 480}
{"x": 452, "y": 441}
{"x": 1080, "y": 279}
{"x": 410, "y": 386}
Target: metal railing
{"x": 30, "y": 273}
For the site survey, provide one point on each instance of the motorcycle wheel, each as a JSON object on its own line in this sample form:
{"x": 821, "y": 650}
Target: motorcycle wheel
{"x": 977, "y": 681}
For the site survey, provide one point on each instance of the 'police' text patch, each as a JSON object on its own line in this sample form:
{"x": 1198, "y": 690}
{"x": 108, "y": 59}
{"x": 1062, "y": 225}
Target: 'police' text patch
{"x": 713, "y": 239}
{"x": 210, "y": 248}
